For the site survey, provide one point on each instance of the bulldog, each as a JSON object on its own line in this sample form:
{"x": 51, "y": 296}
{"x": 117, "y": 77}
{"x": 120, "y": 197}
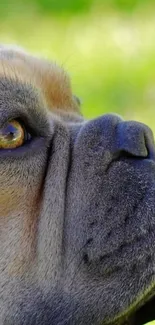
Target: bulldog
{"x": 77, "y": 205}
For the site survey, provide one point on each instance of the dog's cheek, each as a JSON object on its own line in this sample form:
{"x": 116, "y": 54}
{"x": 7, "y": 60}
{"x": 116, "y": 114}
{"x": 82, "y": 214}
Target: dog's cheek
{"x": 19, "y": 210}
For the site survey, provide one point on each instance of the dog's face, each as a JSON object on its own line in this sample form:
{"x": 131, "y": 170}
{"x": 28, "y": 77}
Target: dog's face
{"x": 77, "y": 205}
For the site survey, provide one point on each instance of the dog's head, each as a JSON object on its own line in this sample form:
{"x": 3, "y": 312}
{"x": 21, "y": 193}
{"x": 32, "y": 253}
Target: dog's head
{"x": 77, "y": 205}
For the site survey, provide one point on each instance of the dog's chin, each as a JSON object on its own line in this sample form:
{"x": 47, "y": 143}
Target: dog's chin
{"x": 143, "y": 315}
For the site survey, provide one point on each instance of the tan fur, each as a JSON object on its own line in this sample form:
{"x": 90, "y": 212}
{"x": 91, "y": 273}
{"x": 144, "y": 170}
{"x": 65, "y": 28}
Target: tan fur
{"x": 23, "y": 218}
{"x": 49, "y": 78}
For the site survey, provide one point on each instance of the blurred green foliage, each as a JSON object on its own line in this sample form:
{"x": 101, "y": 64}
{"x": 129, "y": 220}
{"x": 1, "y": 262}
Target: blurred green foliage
{"x": 108, "y": 47}
{"x": 62, "y": 6}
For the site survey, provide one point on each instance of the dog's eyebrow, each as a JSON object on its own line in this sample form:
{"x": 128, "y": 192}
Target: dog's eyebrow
{"x": 22, "y": 100}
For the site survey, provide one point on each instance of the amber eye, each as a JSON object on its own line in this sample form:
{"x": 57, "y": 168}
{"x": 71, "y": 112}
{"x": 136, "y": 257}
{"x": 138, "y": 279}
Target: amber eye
{"x": 13, "y": 135}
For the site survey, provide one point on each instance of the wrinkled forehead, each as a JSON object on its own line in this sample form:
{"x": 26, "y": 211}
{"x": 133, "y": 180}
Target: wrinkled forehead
{"x": 20, "y": 100}
{"x": 35, "y": 76}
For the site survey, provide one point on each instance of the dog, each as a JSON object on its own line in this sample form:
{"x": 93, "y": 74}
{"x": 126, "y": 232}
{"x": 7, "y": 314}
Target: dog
{"x": 77, "y": 204}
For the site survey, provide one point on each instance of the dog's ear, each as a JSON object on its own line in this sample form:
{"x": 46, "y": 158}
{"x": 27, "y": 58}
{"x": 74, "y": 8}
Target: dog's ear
{"x": 50, "y": 79}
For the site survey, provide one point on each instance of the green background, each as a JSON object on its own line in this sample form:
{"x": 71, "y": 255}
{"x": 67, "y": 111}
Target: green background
{"x": 108, "y": 47}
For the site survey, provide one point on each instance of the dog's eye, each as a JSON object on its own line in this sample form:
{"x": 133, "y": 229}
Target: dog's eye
{"x": 13, "y": 135}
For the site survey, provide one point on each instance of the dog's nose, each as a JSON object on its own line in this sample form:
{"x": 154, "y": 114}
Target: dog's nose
{"x": 135, "y": 139}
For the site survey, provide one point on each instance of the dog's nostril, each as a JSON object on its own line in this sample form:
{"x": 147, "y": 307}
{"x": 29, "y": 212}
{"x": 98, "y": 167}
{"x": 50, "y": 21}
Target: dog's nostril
{"x": 135, "y": 139}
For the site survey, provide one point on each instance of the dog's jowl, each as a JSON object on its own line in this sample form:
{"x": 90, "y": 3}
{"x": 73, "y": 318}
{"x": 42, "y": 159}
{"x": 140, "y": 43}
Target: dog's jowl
{"x": 77, "y": 205}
